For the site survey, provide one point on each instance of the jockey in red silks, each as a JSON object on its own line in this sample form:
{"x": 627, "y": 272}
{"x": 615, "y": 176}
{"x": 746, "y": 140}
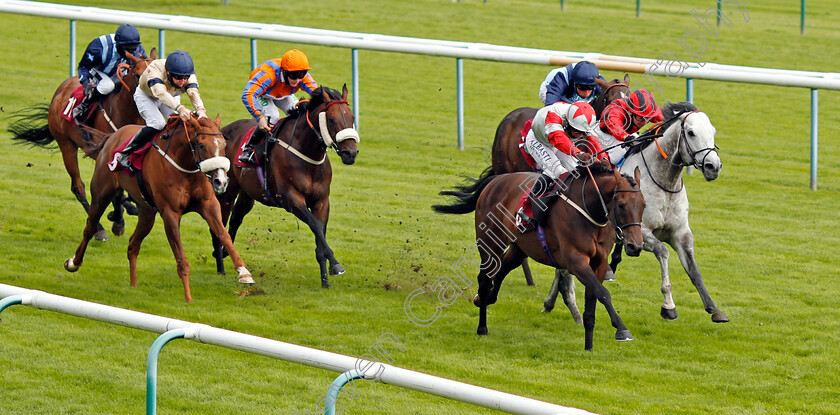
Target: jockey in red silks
{"x": 622, "y": 119}
{"x": 558, "y": 138}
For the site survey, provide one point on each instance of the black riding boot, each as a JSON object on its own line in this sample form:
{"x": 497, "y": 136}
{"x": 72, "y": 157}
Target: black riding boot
{"x": 81, "y": 111}
{"x": 526, "y": 214}
{"x": 139, "y": 140}
{"x": 248, "y": 155}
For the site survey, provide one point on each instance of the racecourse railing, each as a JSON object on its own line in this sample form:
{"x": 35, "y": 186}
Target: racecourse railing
{"x": 351, "y": 367}
{"x": 671, "y": 67}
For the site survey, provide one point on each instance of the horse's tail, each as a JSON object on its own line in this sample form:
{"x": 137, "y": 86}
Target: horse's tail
{"x": 31, "y": 126}
{"x": 466, "y": 195}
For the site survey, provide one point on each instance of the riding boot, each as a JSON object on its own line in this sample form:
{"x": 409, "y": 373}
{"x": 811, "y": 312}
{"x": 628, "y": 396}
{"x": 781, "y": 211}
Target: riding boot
{"x": 80, "y": 113}
{"x": 135, "y": 143}
{"x": 525, "y": 214}
{"x": 248, "y": 155}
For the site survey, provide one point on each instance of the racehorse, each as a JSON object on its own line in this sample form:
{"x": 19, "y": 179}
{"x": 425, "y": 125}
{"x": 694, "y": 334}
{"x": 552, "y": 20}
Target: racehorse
{"x": 505, "y": 152}
{"x": 575, "y": 235}
{"x": 295, "y": 172}
{"x": 687, "y": 139}
{"x": 168, "y": 183}
{"x": 115, "y": 110}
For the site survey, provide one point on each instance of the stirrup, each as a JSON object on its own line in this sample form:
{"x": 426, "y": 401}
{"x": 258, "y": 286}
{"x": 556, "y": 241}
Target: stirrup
{"x": 125, "y": 162}
{"x": 248, "y": 157}
{"x": 523, "y": 222}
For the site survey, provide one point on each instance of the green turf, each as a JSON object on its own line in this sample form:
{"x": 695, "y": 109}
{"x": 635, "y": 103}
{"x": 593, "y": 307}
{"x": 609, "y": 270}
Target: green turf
{"x": 764, "y": 241}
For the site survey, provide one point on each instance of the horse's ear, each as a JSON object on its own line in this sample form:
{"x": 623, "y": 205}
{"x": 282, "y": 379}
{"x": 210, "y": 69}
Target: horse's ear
{"x": 325, "y": 95}
{"x": 344, "y": 92}
{"x": 602, "y": 84}
{"x": 219, "y": 120}
{"x": 627, "y": 79}
{"x": 153, "y": 54}
{"x": 638, "y": 176}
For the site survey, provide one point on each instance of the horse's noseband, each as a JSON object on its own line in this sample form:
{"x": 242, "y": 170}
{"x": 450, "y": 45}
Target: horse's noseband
{"x": 345, "y": 134}
{"x": 691, "y": 152}
{"x": 619, "y": 229}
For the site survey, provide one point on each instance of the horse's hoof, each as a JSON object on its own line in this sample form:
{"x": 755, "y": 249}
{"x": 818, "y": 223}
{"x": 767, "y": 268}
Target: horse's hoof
{"x": 609, "y": 276}
{"x": 101, "y": 235}
{"x": 668, "y": 314}
{"x": 336, "y": 270}
{"x": 719, "y": 317}
{"x": 476, "y": 300}
{"x": 118, "y": 229}
{"x": 70, "y": 266}
{"x": 547, "y": 307}
{"x": 623, "y": 336}
{"x": 482, "y": 331}
{"x": 246, "y": 279}
{"x": 325, "y": 284}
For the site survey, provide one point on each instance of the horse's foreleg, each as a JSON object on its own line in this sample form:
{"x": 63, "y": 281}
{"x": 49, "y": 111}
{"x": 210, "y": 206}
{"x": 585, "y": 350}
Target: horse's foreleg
{"x": 589, "y": 303}
{"x": 684, "y": 247}
{"x": 321, "y": 210}
{"x": 322, "y": 249}
{"x": 102, "y": 195}
{"x": 118, "y": 228}
{"x": 212, "y": 214}
{"x": 172, "y": 224}
{"x": 652, "y": 244}
{"x": 145, "y": 222}
{"x": 587, "y": 276}
{"x": 615, "y": 259}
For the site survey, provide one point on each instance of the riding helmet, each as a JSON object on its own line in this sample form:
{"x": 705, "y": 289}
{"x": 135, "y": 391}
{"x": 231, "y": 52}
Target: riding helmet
{"x": 581, "y": 116}
{"x": 584, "y": 73}
{"x": 294, "y": 60}
{"x": 127, "y": 35}
{"x": 180, "y": 62}
{"x": 642, "y": 103}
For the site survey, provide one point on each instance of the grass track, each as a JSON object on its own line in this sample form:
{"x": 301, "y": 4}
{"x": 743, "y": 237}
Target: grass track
{"x": 764, "y": 241}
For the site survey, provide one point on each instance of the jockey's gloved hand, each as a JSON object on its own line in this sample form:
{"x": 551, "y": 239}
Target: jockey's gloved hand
{"x": 583, "y": 156}
{"x": 630, "y": 140}
{"x": 184, "y": 113}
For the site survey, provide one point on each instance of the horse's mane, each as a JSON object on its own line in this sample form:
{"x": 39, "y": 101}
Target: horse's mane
{"x": 673, "y": 108}
{"x": 316, "y": 100}
{"x": 595, "y": 168}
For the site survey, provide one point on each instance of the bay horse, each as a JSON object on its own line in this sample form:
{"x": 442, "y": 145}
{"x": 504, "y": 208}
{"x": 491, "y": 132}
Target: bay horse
{"x": 687, "y": 139}
{"x": 505, "y": 153}
{"x": 295, "y": 172}
{"x": 576, "y": 235}
{"x": 113, "y": 111}
{"x": 169, "y": 183}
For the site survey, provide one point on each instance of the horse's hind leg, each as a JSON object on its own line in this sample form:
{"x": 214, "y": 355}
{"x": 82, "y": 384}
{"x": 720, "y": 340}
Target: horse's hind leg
{"x": 116, "y": 216}
{"x": 512, "y": 258}
{"x": 526, "y": 269}
{"x": 615, "y": 259}
{"x": 145, "y": 222}
{"x": 69, "y": 153}
{"x": 684, "y": 247}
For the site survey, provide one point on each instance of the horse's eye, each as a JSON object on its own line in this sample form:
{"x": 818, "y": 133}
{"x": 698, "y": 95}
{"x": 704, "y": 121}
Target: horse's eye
{"x": 690, "y": 133}
{"x": 621, "y": 205}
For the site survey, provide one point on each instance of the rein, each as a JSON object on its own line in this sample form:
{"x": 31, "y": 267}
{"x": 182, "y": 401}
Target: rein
{"x": 196, "y": 156}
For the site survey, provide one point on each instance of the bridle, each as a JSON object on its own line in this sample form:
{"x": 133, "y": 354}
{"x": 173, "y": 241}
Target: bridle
{"x": 206, "y": 166}
{"x": 323, "y": 133}
{"x": 619, "y": 229}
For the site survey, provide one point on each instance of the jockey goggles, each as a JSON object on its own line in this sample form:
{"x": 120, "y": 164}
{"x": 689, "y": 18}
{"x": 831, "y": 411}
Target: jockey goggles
{"x": 295, "y": 74}
{"x": 585, "y": 87}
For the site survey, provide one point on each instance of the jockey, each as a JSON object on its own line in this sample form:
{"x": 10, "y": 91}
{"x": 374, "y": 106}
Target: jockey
{"x": 272, "y": 88}
{"x": 99, "y": 63}
{"x": 624, "y": 117}
{"x": 560, "y": 137}
{"x": 159, "y": 96}
{"x": 571, "y": 83}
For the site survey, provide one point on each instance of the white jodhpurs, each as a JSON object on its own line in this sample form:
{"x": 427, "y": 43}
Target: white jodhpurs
{"x": 152, "y": 109}
{"x": 104, "y": 84}
{"x": 552, "y": 162}
{"x": 271, "y": 107}
{"x": 608, "y": 141}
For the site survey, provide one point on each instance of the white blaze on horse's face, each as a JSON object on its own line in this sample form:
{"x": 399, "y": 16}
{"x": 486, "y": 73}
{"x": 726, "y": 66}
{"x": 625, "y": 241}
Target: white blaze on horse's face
{"x": 700, "y": 145}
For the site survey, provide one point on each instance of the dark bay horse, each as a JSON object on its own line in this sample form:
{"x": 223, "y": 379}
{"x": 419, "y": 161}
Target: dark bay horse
{"x": 505, "y": 152}
{"x": 113, "y": 111}
{"x": 576, "y": 235}
{"x": 295, "y": 173}
{"x": 172, "y": 185}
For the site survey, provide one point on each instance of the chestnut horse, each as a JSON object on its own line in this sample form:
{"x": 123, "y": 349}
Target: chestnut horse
{"x": 113, "y": 111}
{"x": 575, "y": 235}
{"x": 505, "y": 152}
{"x": 295, "y": 173}
{"x": 171, "y": 184}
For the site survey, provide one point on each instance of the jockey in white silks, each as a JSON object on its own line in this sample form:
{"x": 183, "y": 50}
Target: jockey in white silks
{"x": 558, "y": 138}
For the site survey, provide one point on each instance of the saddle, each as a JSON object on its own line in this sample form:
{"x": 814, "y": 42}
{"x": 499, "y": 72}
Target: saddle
{"x": 261, "y": 148}
{"x": 73, "y": 101}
